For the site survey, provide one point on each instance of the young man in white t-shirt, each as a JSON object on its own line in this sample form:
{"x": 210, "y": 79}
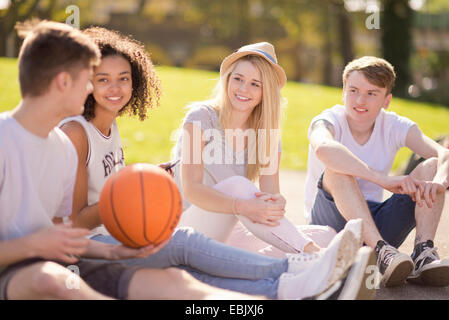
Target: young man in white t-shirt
{"x": 38, "y": 165}
{"x": 351, "y": 152}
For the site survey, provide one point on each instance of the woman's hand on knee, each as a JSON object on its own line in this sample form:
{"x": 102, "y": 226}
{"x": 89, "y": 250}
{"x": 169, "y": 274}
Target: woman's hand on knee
{"x": 274, "y": 198}
{"x": 261, "y": 211}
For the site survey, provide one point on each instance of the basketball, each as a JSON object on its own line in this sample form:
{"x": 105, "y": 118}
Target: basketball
{"x": 140, "y": 205}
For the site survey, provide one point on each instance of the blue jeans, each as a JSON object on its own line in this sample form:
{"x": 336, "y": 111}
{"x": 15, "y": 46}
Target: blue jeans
{"x": 215, "y": 263}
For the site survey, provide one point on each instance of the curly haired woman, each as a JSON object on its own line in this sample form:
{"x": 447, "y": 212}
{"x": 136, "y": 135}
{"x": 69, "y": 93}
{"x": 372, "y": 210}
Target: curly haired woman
{"x": 124, "y": 83}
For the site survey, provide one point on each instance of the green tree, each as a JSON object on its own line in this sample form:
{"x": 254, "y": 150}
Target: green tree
{"x": 21, "y": 10}
{"x": 17, "y": 10}
{"x": 397, "y": 19}
{"x": 344, "y": 30}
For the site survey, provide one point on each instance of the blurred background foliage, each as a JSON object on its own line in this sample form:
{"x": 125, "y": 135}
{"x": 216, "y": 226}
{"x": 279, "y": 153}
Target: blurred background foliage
{"x": 314, "y": 39}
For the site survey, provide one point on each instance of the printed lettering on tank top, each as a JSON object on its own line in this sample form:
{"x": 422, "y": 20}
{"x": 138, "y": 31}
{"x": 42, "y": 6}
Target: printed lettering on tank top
{"x": 110, "y": 161}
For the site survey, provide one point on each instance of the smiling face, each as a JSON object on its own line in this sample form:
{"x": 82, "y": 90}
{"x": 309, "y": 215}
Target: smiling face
{"x": 112, "y": 83}
{"x": 245, "y": 87}
{"x": 363, "y": 100}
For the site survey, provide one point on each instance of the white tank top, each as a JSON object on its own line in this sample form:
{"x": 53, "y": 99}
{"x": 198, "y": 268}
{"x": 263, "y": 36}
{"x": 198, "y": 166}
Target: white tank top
{"x": 104, "y": 157}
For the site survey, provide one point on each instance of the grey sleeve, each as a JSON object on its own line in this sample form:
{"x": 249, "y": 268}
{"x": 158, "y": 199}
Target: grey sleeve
{"x": 203, "y": 116}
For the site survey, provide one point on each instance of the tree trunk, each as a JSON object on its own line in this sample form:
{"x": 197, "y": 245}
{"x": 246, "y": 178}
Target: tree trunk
{"x": 344, "y": 32}
{"x": 298, "y": 49}
{"x": 244, "y": 22}
{"x": 397, "y": 41}
{"x": 327, "y": 48}
{"x": 140, "y": 6}
{"x": 3, "y": 37}
{"x": 8, "y": 21}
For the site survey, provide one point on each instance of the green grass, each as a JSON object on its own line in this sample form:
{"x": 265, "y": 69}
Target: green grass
{"x": 150, "y": 141}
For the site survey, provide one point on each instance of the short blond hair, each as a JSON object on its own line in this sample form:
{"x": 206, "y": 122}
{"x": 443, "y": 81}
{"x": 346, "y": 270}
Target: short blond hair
{"x": 377, "y": 71}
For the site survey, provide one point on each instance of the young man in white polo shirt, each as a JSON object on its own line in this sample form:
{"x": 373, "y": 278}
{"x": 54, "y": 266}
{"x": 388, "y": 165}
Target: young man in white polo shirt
{"x": 351, "y": 152}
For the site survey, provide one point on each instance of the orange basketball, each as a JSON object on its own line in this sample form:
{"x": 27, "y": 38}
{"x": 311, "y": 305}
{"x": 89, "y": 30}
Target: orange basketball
{"x": 140, "y": 205}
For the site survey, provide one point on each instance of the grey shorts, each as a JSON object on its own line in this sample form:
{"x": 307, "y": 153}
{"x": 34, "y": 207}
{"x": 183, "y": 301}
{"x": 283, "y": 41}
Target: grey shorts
{"x": 111, "y": 278}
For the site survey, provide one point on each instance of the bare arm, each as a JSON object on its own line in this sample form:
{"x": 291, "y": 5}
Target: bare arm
{"x": 335, "y": 155}
{"x": 426, "y": 148}
{"x": 14, "y": 251}
{"x": 65, "y": 244}
{"x": 270, "y": 183}
{"x": 192, "y": 169}
{"x": 269, "y": 187}
{"x": 82, "y": 215}
{"x": 59, "y": 243}
{"x": 99, "y": 250}
{"x": 422, "y": 145}
{"x": 340, "y": 159}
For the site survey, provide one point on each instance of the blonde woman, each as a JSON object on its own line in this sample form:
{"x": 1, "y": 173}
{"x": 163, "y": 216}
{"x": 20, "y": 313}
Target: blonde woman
{"x": 229, "y": 142}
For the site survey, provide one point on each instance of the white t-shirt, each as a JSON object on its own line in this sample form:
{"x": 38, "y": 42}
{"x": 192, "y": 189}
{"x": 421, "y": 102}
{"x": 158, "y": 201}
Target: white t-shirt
{"x": 104, "y": 157}
{"x": 389, "y": 135}
{"x": 37, "y": 178}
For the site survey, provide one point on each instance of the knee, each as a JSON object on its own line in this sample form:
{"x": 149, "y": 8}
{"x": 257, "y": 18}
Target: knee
{"x": 183, "y": 234}
{"x": 333, "y": 179}
{"x": 238, "y": 187}
{"x": 334, "y": 175}
{"x": 323, "y": 235}
{"x": 426, "y": 170}
{"x": 177, "y": 278}
{"x": 328, "y": 234}
{"x": 330, "y": 231}
{"x": 50, "y": 281}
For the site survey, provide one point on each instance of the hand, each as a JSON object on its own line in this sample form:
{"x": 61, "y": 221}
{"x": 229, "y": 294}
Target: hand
{"x": 167, "y": 166}
{"x": 60, "y": 242}
{"x": 261, "y": 211}
{"x": 275, "y": 198}
{"x": 403, "y": 185}
{"x": 121, "y": 252}
{"x": 429, "y": 193}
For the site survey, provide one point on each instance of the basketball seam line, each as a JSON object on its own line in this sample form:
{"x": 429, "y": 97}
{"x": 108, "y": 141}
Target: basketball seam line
{"x": 142, "y": 189}
{"x": 171, "y": 210}
{"x": 115, "y": 216}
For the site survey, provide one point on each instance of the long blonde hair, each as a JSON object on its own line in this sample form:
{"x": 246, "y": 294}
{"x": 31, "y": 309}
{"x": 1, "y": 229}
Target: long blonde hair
{"x": 265, "y": 116}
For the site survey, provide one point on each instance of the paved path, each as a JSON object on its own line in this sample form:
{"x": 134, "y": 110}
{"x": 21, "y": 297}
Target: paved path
{"x": 292, "y": 187}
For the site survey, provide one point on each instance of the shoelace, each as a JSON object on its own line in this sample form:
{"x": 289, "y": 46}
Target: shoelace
{"x": 430, "y": 253}
{"x": 387, "y": 253}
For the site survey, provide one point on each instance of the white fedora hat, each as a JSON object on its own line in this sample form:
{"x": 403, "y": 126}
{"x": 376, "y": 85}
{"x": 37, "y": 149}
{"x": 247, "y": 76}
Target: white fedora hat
{"x": 262, "y": 49}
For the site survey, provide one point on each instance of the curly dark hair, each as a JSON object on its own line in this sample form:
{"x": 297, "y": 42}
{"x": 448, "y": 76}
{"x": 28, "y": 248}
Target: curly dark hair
{"x": 145, "y": 83}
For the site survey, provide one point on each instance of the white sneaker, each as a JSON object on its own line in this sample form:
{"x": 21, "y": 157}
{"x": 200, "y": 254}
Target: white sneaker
{"x": 356, "y": 227}
{"x": 354, "y": 285}
{"x": 324, "y": 272}
{"x": 345, "y": 249}
{"x": 298, "y": 262}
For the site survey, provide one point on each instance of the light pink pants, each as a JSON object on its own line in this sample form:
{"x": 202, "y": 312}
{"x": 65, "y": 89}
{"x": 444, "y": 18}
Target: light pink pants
{"x": 239, "y": 231}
